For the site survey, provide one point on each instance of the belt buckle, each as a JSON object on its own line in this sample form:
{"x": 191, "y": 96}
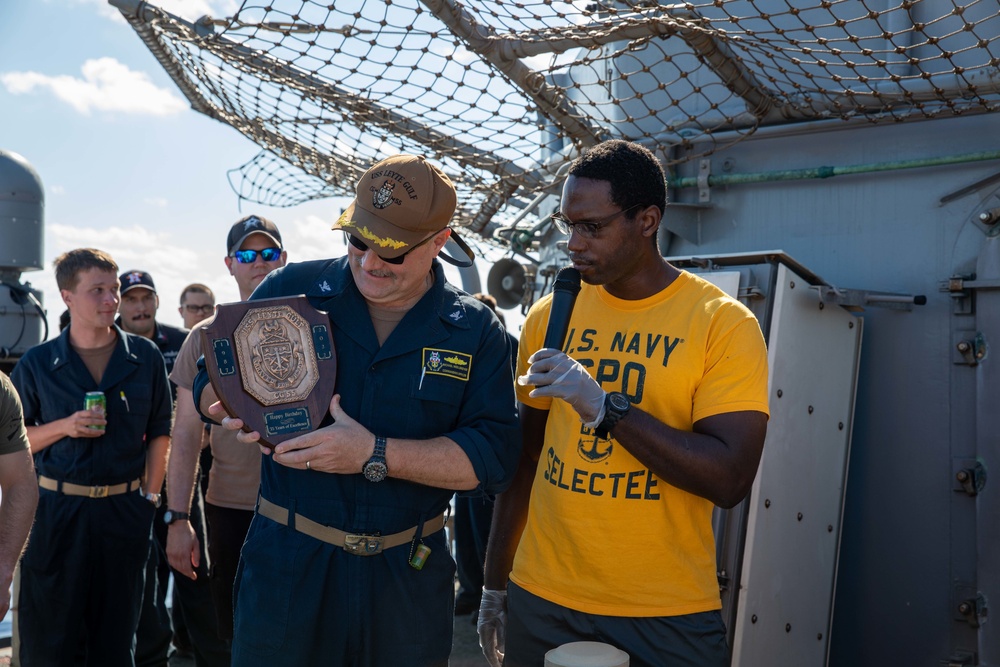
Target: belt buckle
{"x": 99, "y": 491}
{"x": 362, "y": 544}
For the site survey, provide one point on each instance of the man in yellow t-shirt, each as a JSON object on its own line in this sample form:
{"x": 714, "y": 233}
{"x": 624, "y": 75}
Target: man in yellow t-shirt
{"x": 655, "y": 411}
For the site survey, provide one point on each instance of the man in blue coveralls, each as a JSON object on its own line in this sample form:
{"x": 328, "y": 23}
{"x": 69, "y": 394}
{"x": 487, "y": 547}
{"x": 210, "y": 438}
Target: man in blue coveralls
{"x": 335, "y": 567}
{"x": 82, "y": 573}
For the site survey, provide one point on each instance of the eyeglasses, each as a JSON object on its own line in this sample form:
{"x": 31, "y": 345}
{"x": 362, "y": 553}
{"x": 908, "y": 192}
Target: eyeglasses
{"x": 589, "y": 229}
{"x": 250, "y": 256}
{"x": 360, "y": 245}
{"x": 192, "y": 308}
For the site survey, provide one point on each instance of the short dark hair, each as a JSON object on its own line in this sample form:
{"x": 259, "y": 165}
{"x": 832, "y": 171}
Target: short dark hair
{"x": 199, "y": 288}
{"x": 69, "y": 265}
{"x": 636, "y": 176}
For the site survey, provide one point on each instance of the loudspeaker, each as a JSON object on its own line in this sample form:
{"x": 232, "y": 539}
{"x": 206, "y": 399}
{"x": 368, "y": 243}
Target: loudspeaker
{"x": 505, "y": 283}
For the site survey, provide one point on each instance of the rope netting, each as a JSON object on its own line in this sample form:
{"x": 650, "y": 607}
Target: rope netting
{"x": 502, "y": 94}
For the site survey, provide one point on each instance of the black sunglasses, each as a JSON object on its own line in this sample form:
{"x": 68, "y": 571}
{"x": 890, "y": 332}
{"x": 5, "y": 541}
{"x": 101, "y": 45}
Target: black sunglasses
{"x": 250, "y": 256}
{"x": 360, "y": 245}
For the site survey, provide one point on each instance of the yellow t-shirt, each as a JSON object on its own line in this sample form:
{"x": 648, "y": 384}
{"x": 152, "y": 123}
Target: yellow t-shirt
{"x": 604, "y": 535}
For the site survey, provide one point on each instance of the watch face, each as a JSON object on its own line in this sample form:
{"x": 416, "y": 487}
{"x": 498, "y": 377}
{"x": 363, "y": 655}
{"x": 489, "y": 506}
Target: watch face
{"x": 619, "y": 401}
{"x": 375, "y": 471}
{"x": 170, "y": 516}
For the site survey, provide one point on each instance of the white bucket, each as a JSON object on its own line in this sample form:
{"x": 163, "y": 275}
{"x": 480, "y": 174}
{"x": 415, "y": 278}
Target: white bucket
{"x": 586, "y": 654}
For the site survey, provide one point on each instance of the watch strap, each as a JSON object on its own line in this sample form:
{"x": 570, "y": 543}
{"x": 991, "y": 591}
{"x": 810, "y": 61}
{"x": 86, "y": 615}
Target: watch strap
{"x": 172, "y": 516}
{"x": 612, "y": 415}
{"x": 376, "y": 468}
{"x": 379, "y": 452}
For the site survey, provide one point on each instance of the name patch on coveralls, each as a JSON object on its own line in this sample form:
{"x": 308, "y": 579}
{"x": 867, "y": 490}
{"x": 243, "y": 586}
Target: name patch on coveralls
{"x": 448, "y": 363}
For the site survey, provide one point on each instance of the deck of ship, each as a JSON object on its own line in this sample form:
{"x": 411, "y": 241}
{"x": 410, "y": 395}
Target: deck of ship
{"x": 465, "y": 649}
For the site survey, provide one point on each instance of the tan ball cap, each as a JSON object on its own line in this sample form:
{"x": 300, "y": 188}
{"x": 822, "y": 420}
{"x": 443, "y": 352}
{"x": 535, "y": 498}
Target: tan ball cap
{"x": 400, "y": 202}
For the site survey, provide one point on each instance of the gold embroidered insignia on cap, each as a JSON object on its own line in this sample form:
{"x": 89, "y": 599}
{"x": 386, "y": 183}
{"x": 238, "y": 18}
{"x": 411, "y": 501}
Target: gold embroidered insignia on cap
{"x": 448, "y": 363}
{"x": 344, "y": 222}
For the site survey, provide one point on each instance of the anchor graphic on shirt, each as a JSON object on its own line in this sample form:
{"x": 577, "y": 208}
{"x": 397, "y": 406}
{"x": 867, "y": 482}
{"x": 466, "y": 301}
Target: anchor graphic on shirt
{"x": 588, "y": 449}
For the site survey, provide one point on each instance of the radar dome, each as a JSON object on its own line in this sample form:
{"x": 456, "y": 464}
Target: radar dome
{"x": 22, "y": 204}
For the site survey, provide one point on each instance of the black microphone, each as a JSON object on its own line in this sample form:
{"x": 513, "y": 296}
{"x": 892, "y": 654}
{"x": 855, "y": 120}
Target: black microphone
{"x": 564, "y": 292}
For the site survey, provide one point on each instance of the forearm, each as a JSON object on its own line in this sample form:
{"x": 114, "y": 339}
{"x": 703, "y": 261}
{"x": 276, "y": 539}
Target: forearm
{"x": 345, "y": 446}
{"x": 17, "y": 511}
{"x": 438, "y": 462}
{"x": 156, "y": 463}
{"x": 718, "y": 464}
{"x": 510, "y": 513}
{"x": 40, "y": 437}
{"x": 185, "y": 450}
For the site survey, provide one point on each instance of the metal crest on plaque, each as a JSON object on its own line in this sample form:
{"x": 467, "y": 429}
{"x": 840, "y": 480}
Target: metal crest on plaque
{"x": 275, "y": 346}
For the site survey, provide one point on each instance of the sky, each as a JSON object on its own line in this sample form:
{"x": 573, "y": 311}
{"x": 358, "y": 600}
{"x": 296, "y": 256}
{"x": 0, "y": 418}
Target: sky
{"x": 127, "y": 166}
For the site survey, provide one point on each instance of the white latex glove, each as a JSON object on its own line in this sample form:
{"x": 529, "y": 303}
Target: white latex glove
{"x": 492, "y": 626}
{"x": 554, "y": 373}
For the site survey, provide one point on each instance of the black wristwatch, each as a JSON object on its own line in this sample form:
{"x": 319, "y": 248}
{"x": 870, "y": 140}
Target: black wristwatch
{"x": 375, "y": 469}
{"x": 616, "y": 406}
{"x": 171, "y": 516}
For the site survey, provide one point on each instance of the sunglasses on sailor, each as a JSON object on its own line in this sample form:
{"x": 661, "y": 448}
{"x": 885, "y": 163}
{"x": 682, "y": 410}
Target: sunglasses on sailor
{"x": 250, "y": 256}
{"x": 361, "y": 247}
{"x": 207, "y": 308}
{"x": 589, "y": 229}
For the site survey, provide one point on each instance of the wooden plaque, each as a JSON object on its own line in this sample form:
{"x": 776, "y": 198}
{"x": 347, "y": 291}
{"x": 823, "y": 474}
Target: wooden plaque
{"x": 272, "y": 364}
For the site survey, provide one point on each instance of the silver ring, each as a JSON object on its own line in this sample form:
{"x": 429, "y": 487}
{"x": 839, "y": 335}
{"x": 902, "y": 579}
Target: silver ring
{"x": 309, "y": 465}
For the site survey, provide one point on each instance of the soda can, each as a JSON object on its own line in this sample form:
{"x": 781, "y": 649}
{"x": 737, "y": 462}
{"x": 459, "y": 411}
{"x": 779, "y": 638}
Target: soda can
{"x": 94, "y": 400}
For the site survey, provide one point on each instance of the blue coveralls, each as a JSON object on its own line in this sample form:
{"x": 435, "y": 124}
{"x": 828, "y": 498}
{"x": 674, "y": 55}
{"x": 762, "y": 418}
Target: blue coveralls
{"x": 82, "y": 573}
{"x": 301, "y": 601}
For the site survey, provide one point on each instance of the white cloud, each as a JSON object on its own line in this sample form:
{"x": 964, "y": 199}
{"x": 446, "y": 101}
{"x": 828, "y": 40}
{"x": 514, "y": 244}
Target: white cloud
{"x": 310, "y": 237}
{"x": 107, "y": 85}
{"x": 158, "y": 202}
{"x": 57, "y": 190}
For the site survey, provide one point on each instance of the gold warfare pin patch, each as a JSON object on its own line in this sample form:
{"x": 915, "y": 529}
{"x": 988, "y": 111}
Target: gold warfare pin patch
{"x": 448, "y": 363}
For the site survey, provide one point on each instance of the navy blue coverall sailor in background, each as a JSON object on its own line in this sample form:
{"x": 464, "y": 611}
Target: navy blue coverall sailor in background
{"x": 82, "y": 573}
{"x": 301, "y": 601}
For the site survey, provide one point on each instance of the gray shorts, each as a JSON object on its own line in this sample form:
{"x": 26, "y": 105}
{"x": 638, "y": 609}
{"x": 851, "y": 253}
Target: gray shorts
{"x": 535, "y": 626}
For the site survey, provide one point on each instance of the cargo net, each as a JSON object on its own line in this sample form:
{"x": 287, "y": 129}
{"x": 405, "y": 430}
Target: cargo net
{"x": 503, "y": 94}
